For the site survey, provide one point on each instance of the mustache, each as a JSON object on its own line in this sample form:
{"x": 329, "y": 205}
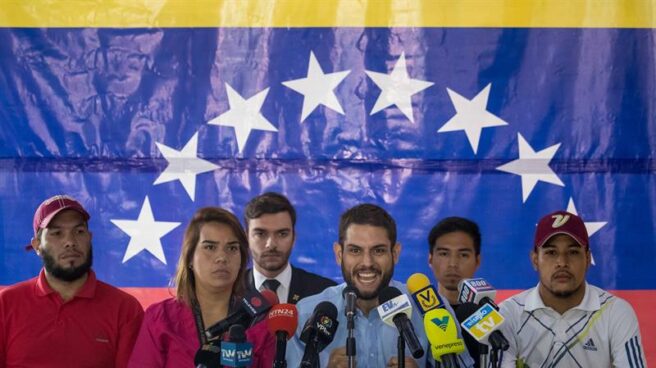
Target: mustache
{"x": 562, "y": 273}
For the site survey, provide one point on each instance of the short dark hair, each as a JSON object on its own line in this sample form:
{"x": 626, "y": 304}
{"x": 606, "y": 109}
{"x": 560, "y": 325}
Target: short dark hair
{"x": 269, "y": 203}
{"x": 451, "y": 225}
{"x": 367, "y": 214}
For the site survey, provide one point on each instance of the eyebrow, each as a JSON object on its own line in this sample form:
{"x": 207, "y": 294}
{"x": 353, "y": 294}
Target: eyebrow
{"x": 457, "y": 250}
{"x": 60, "y": 227}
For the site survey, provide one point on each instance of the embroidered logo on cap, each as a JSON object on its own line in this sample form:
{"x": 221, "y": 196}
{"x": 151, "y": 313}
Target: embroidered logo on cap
{"x": 559, "y": 220}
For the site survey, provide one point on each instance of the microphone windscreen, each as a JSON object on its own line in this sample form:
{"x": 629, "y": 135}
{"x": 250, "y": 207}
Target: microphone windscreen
{"x": 327, "y": 309}
{"x": 464, "y": 310}
{"x": 283, "y": 317}
{"x": 388, "y": 294}
{"x": 270, "y": 296}
{"x": 237, "y": 333}
{"x": 416, "y": 282}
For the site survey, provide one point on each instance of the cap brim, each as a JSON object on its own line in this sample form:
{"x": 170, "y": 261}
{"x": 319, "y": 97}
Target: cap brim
{"x": 546, "y": 239}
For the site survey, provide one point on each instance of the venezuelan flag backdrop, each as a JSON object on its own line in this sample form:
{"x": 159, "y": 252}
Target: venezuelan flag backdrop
{"x": 500, "y": 111}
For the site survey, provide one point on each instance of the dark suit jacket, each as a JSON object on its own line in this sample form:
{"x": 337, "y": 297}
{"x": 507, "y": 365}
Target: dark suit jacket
{"x": 302, "y": 284}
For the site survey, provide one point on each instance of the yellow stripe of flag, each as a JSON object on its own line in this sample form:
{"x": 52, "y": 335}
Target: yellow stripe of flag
{"x": 329, "y": 13}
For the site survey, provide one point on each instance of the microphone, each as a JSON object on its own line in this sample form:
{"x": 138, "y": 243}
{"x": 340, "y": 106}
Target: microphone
{"x": 476, "y": 291}
{"x": 208, "y": 356}
{"x": 252, "y": 307}
{"x": 395, "y": 310}
{"x": 487, "y": 320}
{"x": 318, "y": 332}
{"x": 350, "y": 296}
{"x": 282, "y": 322}
{"x": 442, "y": 334}
{"x": 423, "y": 293}
{"x": 463, "y": 312}
{"x": 236, "y": 352}
{"x": 483, "y": 325}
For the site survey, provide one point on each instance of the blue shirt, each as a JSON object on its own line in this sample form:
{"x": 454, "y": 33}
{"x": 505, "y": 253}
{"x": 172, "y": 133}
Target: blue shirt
{"x": 376, "y": 342}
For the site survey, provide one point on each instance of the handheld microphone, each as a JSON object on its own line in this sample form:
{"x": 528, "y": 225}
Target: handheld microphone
{"x": 282, "y": 322}
{"x": 236, "y": 352}
{"x": 483, "y": 325}
{"x": 350, "y": 296}
{"x": 252, "y": 307}
{"x": 423, "y": 293}
{"x": 463, "y": 312}
{"x": 318, "y": 332}
{"x": 476, "y": 291}
{"x": 208, "y": 356}
{"x": 395, "y": 310}
{"x": 442, "y": 334}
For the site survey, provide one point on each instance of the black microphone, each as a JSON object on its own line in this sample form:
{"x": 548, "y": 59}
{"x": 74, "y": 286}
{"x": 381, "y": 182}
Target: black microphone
{"x": 463, "y": 311}
{"x": 209, "y": 355}
{"x": 395, "y": 308}
{"x": 318, "y": 332}
{"x": 350, "y": 296}
{"x": 251, "y": 308}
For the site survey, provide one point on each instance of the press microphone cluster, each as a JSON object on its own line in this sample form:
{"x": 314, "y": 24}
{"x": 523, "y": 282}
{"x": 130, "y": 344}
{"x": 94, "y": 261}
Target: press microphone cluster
{"x": 395, "y": 310}
{"x": 318, "y": 332}
{"x": 282, "y": 322}
{"x": 253, "y": 306}
{"x": 484, "y": 323}
{"x": 439, "y": 324}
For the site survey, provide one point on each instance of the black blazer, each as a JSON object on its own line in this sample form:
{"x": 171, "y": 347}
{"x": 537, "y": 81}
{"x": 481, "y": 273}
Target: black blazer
{"x": 302, "y": 284}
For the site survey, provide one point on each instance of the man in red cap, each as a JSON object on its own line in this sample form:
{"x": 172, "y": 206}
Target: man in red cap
{"x": 564, "y": 321}
{"x": 65, "y": 317}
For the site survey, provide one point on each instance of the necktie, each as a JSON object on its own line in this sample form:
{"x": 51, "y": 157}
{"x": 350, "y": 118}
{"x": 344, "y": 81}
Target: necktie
{"x": 271, "y": 284}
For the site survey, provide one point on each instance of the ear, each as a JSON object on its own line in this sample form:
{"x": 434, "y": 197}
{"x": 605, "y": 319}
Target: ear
{"x": 90, "y": 235}
{"x": 396, "y": 252}
{"x": 338, "y": 249}
{"x": 35, "y": 242}
{"x": 534, "y": 259}
{"x": 430, "y": 259}
{"x": 478, "y": 261}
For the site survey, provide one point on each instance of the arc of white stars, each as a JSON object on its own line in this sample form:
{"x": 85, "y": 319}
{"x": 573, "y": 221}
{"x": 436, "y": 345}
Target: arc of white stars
{"x": 591, "y": 227}
{"x": 397, "y": 88}
{"x": 244, "y": 115}
{"x": 471, "y": 116}
{"x": 317, "y": 88}
{"x": 145, "y": 233}
{"x": 184, "y": 165}
{"x": 532, "y": 166}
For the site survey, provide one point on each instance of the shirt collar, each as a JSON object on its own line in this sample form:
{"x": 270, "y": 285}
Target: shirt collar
{"x": 285, "y": 277}
{"x": 88, "y": 290}
{"x": 534, "y": 301}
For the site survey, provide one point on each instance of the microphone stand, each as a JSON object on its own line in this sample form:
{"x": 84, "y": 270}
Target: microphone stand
{"x": 350, "y": 341}
{"x": 482, "y": 355}
{"x": 400, "y": 353}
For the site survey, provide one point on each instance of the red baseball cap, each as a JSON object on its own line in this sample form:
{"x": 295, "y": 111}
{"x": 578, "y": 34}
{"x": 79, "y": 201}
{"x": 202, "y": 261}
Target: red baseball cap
{"x": 49, "y": 208}
{"x": 561, "y": 222}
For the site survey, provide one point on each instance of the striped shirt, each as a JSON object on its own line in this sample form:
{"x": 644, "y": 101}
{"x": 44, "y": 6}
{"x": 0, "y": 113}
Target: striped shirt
{"x": 602, "y": 331}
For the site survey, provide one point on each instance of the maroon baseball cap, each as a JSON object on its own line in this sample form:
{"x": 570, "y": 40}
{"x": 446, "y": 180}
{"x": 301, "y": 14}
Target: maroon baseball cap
{"x": 561, "y": 222}
{"x": 49, "y": 208}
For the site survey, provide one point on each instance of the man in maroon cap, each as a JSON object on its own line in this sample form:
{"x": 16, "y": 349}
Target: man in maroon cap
{"x": 564, "y": 321}
{"x": 65, "y": 317}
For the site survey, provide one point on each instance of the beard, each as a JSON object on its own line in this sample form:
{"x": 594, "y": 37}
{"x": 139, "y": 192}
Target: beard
{"x": 385, "y": 280}
{"x": 273, "y": 265}
{"x": 68, "y": 274}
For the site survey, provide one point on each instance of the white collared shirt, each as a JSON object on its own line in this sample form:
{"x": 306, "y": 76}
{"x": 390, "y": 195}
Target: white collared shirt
{"x": 602, "y": 331}
{"x": 284, "y": 278}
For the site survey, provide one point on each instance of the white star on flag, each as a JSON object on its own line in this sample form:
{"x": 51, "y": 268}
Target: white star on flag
{"x": 532, "y": 166}
{"x": 317, "y": 88}
{"x": 397, "y": 88}
{"x": 244, "y": 116}
{"x": 183, "y": 165}
{"x": 591, "y": 227}
{"x": 145, "y": 233}
{"x": 471, "y": 116}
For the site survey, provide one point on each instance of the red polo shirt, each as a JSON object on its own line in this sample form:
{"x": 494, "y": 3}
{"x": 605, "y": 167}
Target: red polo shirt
{"x": 96, "y": 328}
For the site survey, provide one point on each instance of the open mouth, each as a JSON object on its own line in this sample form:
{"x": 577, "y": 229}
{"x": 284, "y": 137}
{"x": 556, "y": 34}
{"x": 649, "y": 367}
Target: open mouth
{"x": 368, "y": 277}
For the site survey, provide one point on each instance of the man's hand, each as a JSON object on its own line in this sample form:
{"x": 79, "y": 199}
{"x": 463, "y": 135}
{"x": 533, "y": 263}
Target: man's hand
{"x": 409, "y": 362}
{"x": 338, "y": 358}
